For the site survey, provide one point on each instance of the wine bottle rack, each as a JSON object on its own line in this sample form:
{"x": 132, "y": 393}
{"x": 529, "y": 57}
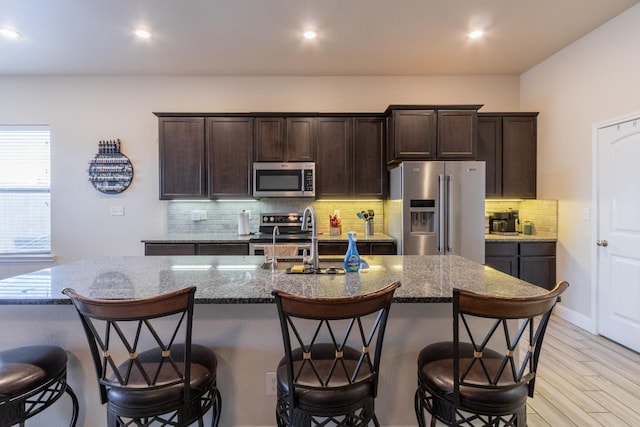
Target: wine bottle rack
{"x": 110, "y": 171}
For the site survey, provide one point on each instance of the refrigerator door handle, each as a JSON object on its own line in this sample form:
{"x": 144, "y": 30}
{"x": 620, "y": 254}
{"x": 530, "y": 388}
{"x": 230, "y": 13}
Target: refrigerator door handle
{"x": 441, "y": 213}
{"x": 449, "y": 214}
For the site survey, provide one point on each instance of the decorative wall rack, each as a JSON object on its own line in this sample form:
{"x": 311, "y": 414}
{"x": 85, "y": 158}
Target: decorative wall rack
{"x": 110, "y": 171}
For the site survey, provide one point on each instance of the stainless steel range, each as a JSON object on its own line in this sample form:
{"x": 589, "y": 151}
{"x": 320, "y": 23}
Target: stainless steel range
{"x": 284, "y": 231}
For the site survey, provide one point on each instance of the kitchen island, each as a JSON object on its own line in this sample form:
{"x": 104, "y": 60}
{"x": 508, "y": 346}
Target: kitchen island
{"x": 235, "y": 316}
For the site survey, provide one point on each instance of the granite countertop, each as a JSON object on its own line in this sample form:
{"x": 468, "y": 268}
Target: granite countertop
{"x": 235, "y": 238}
{"x": 521, "y": 238}
{"x": 241, "y": 280}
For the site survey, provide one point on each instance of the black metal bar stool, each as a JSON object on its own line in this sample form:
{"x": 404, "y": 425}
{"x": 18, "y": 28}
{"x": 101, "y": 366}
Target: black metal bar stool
{"x": 148, "y": 370}
{"x": 329, "y": 374}
{"x": 484, "y": 375}
{"x": 32, "y": 378}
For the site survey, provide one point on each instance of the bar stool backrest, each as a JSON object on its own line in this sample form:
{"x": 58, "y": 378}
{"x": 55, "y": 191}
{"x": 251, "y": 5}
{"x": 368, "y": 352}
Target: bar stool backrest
{"x": 318, "y": 331}
{"x": 515, "y": 327}
{"x": 118, "y": 330}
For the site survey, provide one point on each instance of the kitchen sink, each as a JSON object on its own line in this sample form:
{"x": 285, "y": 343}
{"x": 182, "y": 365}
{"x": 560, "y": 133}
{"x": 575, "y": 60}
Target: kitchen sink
{"x": 327, "y": 264}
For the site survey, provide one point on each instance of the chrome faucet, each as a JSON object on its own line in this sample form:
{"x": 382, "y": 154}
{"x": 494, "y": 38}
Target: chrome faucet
{"x": 274, "y": 258}
{"x": 313, "y": 258}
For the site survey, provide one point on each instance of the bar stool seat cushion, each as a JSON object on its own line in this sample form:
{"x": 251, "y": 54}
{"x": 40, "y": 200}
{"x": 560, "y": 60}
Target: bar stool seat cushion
{"x": 26, "y": 368}
{"x": 203, "y": 375}
{"x": 340, "y": 393}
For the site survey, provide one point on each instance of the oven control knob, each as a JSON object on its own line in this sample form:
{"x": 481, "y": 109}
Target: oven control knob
{"x": 272, "y": 219}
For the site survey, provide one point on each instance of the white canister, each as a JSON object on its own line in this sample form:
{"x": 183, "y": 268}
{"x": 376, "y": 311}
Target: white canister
{"x": 243, "y": 223}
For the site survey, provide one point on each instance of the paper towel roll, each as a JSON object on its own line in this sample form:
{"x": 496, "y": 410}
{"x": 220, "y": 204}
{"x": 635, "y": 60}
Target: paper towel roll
{"x": 243, "y": 223}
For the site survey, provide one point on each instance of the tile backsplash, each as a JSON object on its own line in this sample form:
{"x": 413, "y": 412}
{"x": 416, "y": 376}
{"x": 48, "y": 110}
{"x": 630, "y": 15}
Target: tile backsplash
{"x": 543, "y": 214}
{"x": 222, "y": 217}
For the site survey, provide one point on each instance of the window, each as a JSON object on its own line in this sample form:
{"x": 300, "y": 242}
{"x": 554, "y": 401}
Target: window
{"x": 25, "y": 182}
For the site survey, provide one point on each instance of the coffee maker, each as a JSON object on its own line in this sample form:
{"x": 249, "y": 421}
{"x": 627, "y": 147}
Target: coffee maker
{"x": 504, "y": 222}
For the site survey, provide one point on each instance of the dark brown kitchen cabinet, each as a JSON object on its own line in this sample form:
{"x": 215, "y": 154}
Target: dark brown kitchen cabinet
{"x": 170, "y": 248}
{"x": 284, "y": 139}
{"x": 507, "y": 142}
{"x": 183, "y": 169}
{"x": 364, "y": 248}
{"x": 350, "y": 157}
{"x": 223, "y": 249}
{"x": 412, "y": 134}
{"x": 369, "y": 173}
{"x": 383, "y": 248}
{"x": 229, "y": 156}
{"x": 457, "y": 134}
{"x": 534, "y": 262}
{"x": 334, "y": 156}
{"x": 431, "y": 132}
{"x": 340, "y": 248}
{"x": 195, "y": 248}
{"x": 538, "y": 263}
{"x": 502, "y": 256}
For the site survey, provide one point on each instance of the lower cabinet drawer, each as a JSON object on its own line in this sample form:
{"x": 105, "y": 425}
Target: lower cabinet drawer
{"x": 538, "y": 249}
{"x": 500, "y": 249}
{"x": 196, "y": 249}
{"x": 170, "y": 249}
{"x": 223, "y": 249}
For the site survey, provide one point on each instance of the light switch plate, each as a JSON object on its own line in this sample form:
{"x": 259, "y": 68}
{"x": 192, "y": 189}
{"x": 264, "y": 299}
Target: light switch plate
{"x": 116, "y": 210}
{"x": 586, "y": 214}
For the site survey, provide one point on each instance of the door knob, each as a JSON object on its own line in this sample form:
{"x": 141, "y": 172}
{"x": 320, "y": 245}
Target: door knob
{"x": 602, "y": 243}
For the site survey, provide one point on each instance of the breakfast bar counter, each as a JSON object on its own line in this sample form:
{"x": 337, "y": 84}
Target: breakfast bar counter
{"x": 244, "y": 280}
{"x": 235, "y": 316}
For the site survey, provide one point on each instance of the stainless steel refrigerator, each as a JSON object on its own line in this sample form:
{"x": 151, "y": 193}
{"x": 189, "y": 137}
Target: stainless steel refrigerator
{"x": 437, "y": 207}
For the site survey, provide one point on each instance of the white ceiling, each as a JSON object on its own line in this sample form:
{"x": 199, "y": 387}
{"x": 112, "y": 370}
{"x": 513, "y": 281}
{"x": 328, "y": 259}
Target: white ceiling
{"x": 263, "y": 37}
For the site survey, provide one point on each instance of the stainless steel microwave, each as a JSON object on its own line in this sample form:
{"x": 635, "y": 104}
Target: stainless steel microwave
{"x": 289, "y": 179}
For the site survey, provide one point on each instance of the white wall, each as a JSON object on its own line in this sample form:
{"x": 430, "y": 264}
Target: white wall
{"x": 593, "y": 80}
{"x": 83, "y": 110}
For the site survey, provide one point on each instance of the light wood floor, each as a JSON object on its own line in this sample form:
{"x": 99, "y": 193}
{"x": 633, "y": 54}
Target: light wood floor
{"x": 584, "y": 380}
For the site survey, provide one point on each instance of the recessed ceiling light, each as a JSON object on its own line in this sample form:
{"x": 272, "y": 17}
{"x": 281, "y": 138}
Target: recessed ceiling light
{"x": 310, "y": 34}
{"x": 9, "y": 33}
{"x": 476, "y": 34}
{"x": 141, "y": 33}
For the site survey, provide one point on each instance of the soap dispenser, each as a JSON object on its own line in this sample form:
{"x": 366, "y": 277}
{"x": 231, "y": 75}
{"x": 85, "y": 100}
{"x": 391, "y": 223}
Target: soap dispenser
{"x": 352, "y": 257}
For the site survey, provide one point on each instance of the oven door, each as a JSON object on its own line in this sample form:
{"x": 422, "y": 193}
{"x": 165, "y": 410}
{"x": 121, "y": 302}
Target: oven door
{"x": 282, "y": 250}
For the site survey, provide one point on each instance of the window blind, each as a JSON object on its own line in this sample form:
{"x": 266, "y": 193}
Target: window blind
{"x": 25, "y": 186}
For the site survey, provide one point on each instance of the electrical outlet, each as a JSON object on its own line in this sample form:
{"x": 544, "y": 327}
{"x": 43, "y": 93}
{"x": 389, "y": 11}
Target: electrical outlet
{"x": 272, "y": 386}
{"x": 198, "y": 215}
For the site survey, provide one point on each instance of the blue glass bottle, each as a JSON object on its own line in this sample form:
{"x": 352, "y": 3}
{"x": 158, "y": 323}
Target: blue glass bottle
{"x": 352, "y": 257}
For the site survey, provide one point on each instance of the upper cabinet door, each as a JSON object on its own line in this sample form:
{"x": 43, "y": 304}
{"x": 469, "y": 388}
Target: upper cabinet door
{"x": 280, "y": 139}
{"x": 334, "y": 166}
{"x": 507, "y": 142}
{"x": 269, "y": 143}
{"x": 229, "y": 154}
{"x": 369, "y": 172}
{"x": 519, "y": 144}
{"x": 182, "y": 158}
{"x": 414, "y": 134}
{"x": 457, "y": 134}
{"x": 490, "y": 150}
{"x": 300, "y": 139}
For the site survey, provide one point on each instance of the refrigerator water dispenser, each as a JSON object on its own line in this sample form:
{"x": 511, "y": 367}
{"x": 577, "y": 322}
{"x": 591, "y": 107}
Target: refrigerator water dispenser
{"x": 423, "y": 216}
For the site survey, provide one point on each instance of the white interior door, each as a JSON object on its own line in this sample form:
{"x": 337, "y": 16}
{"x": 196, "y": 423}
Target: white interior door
{"x": 618, "y": 253}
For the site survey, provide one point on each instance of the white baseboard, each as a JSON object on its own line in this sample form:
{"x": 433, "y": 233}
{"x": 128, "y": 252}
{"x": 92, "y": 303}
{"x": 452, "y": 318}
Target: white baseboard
{"x": 580, "y": 320}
